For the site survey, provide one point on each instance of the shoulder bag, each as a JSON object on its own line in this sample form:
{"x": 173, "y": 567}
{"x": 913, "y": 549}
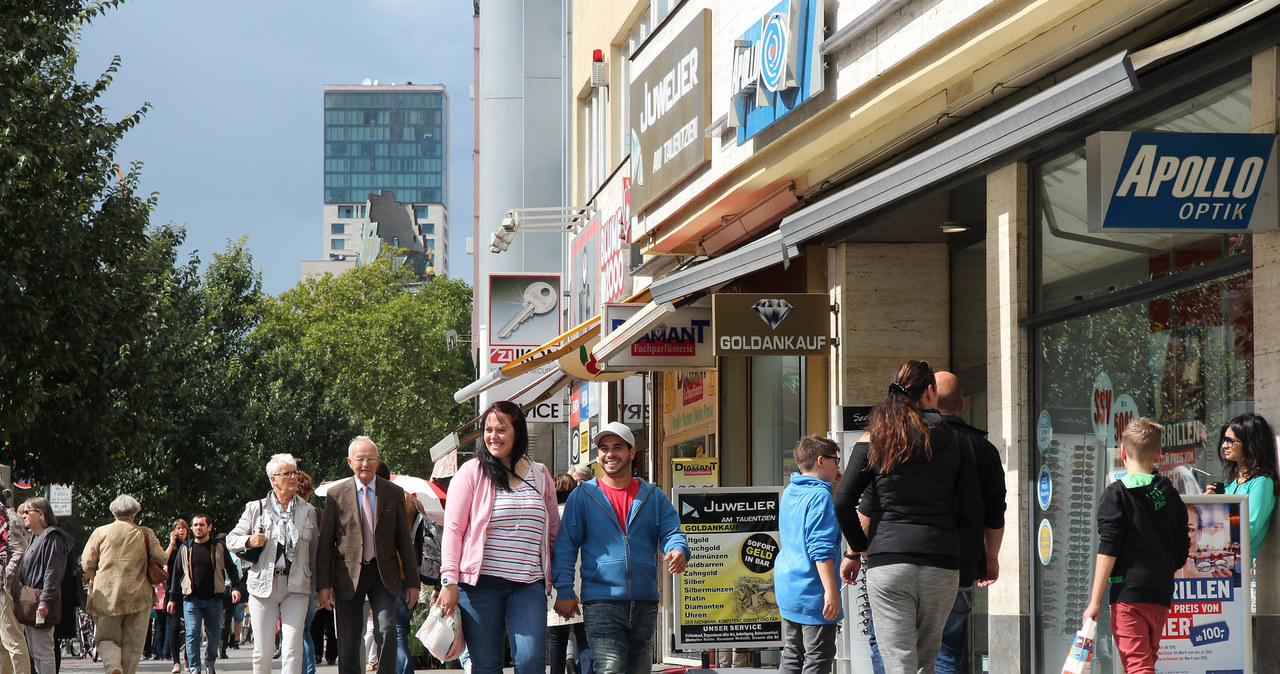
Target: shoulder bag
{"x": 156, "y": 575}
{"x": 26, "y": 600}
{"x": 251, "y": 555}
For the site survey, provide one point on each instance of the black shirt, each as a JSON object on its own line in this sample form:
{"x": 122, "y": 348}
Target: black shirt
{"x": 202, "y": 569}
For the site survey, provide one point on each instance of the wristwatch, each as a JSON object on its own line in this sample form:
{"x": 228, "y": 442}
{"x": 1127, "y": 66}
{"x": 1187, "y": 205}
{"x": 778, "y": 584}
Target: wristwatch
{"x": 446, "y": 582}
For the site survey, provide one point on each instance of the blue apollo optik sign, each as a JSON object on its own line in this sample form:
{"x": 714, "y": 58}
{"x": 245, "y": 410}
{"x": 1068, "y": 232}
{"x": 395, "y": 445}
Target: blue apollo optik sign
{"x": 776, "y": 66}
{"x": 1182, "y": 182}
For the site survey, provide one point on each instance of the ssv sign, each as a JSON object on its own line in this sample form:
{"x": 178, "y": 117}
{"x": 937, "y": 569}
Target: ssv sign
{"x": 1182, "y": 182}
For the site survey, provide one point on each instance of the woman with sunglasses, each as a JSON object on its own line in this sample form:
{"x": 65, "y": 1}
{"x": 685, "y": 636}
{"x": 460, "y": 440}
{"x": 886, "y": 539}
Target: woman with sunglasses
{"x": 1248, "y": 450}
{"x": 918, "y": 489}
{"x": 43, "y": 566}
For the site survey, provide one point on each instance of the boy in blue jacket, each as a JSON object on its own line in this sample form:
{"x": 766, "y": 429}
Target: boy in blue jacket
{"x": 804, "y": 577}
{"x": 616, "y": 523}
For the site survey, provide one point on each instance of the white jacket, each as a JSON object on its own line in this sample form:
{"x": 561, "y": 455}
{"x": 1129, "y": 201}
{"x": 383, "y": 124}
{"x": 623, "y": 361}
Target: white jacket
{"x": 261, "y": 574}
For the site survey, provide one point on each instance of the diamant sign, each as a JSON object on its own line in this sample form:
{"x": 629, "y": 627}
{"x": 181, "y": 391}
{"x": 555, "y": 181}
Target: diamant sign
{"x": 777, "y": 324}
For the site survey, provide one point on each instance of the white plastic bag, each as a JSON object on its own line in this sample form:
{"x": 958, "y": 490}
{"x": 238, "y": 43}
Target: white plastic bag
{"x": 1081, "y": 649}
{"x": 442, "y": 635}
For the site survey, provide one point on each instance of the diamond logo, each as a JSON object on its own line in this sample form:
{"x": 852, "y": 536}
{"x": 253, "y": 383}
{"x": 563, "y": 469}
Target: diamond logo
{"x": 772, "y": 312}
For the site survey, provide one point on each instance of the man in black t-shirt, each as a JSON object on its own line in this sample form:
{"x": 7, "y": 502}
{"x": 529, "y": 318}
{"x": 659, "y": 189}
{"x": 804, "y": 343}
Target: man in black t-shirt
{"x": 199, "y": 580}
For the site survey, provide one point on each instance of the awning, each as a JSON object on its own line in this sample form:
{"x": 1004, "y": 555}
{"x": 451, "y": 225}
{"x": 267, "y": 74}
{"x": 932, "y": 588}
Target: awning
{"x": 1069, "y": 100}
{"x": 631, "y": 330}
{"x": 762, "y": 253}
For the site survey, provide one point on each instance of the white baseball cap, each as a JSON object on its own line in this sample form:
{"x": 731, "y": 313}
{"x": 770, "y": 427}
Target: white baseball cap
{"x": 615, "y": 428}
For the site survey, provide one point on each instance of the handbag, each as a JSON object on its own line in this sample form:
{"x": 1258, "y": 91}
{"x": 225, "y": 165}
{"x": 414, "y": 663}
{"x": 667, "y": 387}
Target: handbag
{"x": 27, "y": 599}
{"x": 251, "y": 555}
{"x": 156, "y": 575}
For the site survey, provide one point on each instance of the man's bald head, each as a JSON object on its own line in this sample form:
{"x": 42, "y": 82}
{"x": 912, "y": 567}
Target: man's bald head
{"x": 950, "y": 394}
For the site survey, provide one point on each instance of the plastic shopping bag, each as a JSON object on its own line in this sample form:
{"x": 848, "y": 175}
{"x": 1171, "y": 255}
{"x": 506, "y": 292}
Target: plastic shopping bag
{"x": 1081, "y": 650}
{"x": 442, "y": 635}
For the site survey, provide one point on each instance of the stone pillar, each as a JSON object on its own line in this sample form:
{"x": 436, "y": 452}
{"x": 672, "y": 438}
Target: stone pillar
{"x": 1266, "y": 361}
{"x": 895, "y": 305}
{"x": 1008, "y": 397}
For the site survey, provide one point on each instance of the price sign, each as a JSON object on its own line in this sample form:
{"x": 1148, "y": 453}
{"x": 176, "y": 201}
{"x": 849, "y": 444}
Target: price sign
{"x": 1123, "y": 411}
{"x": 1101, "y": 407}
{"x": 1209, "y": 634}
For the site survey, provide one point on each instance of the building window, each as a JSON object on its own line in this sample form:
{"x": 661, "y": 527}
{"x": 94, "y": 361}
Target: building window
{"x": 427, "y": 229}
{"x": 337, "y": 244}
{"x": 346, "y": 211}
{"x": 595, "y": 141}
{"x": 421, "y": 212}
{"x": 337, "y": 228}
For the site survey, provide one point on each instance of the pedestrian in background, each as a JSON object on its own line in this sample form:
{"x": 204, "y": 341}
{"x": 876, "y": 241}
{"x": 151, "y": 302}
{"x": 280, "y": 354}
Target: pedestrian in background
{"x": 44, "y": 565}
{"x": 14, "y": 658}
{"x": 176, "y": 634}
{"x": 120, "y": 596}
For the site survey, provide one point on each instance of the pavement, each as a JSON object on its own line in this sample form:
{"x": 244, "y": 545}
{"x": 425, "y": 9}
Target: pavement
{"x": 239, "y": 660}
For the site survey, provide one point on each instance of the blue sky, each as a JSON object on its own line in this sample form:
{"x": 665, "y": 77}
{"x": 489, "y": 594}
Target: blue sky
{"x": 233, "y": 143}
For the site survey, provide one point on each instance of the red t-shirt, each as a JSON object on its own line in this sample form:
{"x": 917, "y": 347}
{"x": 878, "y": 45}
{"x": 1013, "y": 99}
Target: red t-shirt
{"x": 621, "y": 499}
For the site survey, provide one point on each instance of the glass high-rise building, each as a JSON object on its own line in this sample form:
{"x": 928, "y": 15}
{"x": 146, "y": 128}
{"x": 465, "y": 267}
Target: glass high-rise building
{"x": 390, "y": 137}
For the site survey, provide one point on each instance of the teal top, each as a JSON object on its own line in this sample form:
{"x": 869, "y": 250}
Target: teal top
{"x": 1262, "y": 500}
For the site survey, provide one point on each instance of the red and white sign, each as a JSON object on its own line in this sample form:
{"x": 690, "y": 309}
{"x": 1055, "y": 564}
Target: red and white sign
{"x": 613, "y": 240}
{"x": 1101, "y": 407}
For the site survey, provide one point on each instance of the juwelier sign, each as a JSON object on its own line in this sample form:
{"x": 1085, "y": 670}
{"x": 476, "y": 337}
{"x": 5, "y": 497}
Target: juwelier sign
{"x": 1182, "y": 182}
{"x": 778, "y": 324}
{"x": 776, "y": 65}
{"x": 670, "y": 106}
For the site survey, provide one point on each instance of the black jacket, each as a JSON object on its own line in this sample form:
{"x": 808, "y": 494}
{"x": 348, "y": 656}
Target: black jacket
{"x": 1145, "y": 529}
{"x": 990, "y": 472}
{"x": 916, "y": 510}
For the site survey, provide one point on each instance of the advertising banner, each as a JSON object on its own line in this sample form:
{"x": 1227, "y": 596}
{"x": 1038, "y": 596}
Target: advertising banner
{"x": 1181, "y": 182}
{"x": 524, "y": 313}
{"x": 725, "y": 595}
{"x": 777, "y": 324}
{"x": 688, "y": 402}
{"x": 777, "y": 65}
{"x": 670, "y": 109}
{"x": 1209, "y": 627}
{"x": 682, "y": 341}
{"x": 700, "y": 472}
{"x": 584, "y": 273}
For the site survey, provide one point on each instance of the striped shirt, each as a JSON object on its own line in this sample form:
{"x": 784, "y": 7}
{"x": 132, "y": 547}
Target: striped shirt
{"x": 513, "y": 548}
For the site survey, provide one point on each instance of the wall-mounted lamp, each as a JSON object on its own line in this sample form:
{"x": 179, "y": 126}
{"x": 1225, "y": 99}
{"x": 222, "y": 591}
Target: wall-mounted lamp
{"x": 951, "y": 227}
{"x": 599, "y": 70}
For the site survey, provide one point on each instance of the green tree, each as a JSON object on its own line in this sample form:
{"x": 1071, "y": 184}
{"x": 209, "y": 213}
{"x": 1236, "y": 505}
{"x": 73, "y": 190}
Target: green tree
{"x": 77, "y": 270}
{"x": 377, "y": 342}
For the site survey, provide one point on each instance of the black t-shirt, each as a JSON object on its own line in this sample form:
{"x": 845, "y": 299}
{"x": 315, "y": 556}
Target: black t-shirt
{"x": 202, "y": 569}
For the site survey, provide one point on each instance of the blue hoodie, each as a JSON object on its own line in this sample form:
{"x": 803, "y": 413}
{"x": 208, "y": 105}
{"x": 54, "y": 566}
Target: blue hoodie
{"x": 615, "y": 566}
{"x": 809, "y": 532}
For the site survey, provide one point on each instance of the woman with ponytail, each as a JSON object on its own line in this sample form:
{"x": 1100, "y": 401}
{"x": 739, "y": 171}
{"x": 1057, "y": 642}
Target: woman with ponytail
{"x": 916, "y": 489}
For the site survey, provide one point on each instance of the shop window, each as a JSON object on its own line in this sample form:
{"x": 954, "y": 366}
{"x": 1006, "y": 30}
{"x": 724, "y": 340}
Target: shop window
{"x": 777, "y": 417}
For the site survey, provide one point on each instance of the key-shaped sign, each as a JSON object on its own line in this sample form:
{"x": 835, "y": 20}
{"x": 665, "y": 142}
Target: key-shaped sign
{"x": 539, "y": 298}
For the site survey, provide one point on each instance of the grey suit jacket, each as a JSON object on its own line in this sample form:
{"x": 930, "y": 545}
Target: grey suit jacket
{"x": 342, "y": 542}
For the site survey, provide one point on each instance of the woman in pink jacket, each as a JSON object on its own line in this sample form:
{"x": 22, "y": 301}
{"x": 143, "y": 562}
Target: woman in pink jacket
{"x": 500, "y": 525}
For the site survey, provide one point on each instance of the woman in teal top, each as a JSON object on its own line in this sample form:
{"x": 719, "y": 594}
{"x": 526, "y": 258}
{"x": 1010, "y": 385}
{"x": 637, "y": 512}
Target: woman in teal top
{"x": 1249, "y": 454}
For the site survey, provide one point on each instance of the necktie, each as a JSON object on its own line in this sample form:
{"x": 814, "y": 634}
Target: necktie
{"x": 366, "y": 509}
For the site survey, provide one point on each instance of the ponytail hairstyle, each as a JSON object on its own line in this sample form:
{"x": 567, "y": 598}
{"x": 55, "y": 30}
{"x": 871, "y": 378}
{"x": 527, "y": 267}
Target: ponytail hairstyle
{"x": 896, "y": 425}
{"x": 495, "y": 470}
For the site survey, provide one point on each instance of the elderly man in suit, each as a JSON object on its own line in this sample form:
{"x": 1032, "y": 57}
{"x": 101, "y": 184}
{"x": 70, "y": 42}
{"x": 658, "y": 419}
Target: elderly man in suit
{"x": 365, "y": 549}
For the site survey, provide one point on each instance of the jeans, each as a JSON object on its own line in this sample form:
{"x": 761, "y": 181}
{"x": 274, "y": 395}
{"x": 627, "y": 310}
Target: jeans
{"x": 160, "y": 643}
{"x": 910, "y": 603}
{"x": 955, "y": 634}
{"x": 309, "y": 645}
{"x": 497, "y": 606}
{"x": 350, "y": 614}
{"x": 558, "y": 645}
{"x": 404, "y": 660}
{"x": 807, "y": 649}
{"x": 620, "y": 634}
{"x": 206, "y": 612}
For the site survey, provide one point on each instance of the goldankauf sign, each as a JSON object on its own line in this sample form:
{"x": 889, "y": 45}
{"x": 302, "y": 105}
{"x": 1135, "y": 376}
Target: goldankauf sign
{"x": 670, "y": 103}
{"x": 1182, "y": 182}
{"x": 776, "y": 66}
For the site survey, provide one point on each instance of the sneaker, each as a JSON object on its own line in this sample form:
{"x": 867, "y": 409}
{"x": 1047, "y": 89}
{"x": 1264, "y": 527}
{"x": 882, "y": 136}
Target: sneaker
{"x": 176, "y": 668}
{"x": 211, "y": 670}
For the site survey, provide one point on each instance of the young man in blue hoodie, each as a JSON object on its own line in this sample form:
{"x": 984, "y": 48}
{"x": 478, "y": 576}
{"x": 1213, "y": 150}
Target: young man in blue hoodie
{"x": 616, "y": 523}
{"x": 805, "y": 576}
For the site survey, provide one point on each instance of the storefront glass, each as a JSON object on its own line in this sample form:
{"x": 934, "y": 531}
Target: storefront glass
{"x": 777, "y": 417}
{"x": 1184, "y": 358}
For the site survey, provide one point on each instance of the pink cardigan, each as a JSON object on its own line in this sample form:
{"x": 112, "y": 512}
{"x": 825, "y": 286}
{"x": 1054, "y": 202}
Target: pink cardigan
{"x": 466, "y": 521}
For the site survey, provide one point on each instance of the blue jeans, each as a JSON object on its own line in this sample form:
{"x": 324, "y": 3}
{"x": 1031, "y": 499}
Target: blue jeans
{"x": 208, "y": 612}
{"x": 955, "y": 635}
{"x": 620, "y": 634}
{"x": 558, "y": 644}
{"x": 404, "y": 660}
{"x": 497, "y": 606}
{"x": 308, "y": 645}
{"x": 160, "y": 642}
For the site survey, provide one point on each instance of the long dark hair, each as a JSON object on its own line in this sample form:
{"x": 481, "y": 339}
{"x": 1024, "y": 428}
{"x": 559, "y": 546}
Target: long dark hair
{"x": 497, "y": 473}
{"x": 896, "y": 426}
{"x": 1259, "y": 448}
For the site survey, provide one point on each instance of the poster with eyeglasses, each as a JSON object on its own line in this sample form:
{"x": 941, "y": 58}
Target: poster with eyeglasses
{"x": 1209, "y": 626}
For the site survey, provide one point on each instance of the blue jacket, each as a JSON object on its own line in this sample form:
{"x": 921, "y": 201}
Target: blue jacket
{"x": 614, "y": 566}
{"x": 809, "y": 532}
